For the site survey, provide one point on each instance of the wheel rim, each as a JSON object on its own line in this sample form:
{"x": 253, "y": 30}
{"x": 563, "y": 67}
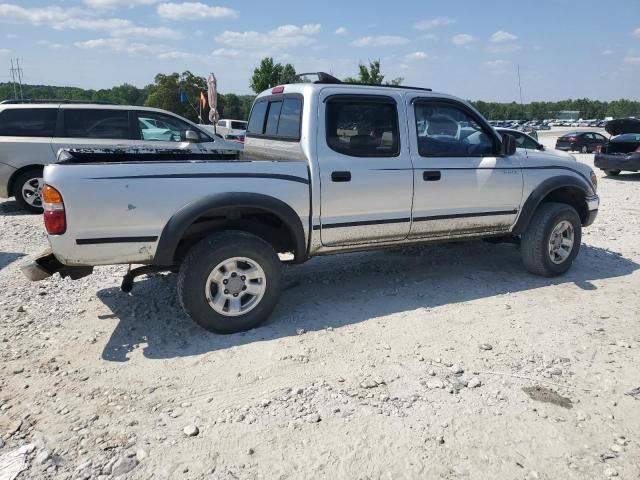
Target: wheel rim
{"x": 561, "y": 242}
{"x": 32, "y": 191}
{"x": 235, "y": 286}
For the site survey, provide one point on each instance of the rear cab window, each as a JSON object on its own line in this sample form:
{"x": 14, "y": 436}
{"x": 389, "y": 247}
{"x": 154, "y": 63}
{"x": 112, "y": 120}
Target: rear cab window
{"x": 28, "y": 122}
{"x": 277, "y": 117}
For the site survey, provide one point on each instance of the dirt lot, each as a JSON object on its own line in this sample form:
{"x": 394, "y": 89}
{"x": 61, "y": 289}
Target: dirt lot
{"x": 409, "y": 363}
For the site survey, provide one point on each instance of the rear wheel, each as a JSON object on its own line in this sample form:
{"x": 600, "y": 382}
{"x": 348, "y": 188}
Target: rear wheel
{"x": 552, "y": 240}
{"x": 230, "y": 282}
{"x": 27, "y": 189}
{"x": 612, "y": 173}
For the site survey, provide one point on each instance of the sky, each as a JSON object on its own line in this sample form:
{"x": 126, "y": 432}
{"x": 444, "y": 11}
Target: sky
{"x": 565, "y": 49}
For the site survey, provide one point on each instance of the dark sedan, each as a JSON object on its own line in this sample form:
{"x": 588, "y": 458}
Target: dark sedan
{"x": 584, "y": 142}
{"x": 622, "y": 152}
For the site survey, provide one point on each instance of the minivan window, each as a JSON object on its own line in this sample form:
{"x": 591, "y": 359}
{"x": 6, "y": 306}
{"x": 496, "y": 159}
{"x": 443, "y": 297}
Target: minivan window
{"x": 28, "y": 122}
{"x": 166, "y": 128}
{"x": 366, "y": 127}
{"x": 99, "y": 123}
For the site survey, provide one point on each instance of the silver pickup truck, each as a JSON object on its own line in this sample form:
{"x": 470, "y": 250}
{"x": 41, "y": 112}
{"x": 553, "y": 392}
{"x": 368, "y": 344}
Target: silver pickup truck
{"x": 328, "y": 167}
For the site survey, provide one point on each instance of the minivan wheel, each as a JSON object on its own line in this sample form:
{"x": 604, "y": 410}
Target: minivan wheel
{"x": 230, "y": 282}
{"x": 27, "y": 189}
{"x": 552, "y": 240}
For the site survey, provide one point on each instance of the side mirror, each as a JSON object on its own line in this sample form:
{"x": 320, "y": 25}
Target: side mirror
{"x": 508, "y": 145}
{"x": 191, "y": 136}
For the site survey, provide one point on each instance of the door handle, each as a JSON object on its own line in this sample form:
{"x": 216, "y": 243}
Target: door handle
{"x": 341, "y": 176}
{"x": 431, "y": 175}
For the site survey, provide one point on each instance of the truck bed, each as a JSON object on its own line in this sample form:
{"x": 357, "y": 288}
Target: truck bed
{"x": 116, "y": 210}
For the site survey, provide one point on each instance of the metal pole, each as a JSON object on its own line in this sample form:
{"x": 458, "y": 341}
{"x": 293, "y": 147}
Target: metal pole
{"x": 520, "y": 88}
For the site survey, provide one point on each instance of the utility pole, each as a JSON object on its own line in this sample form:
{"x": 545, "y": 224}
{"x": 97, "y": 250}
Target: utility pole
{"x": 520, "y": 88}
{"x": 16, "y": 78}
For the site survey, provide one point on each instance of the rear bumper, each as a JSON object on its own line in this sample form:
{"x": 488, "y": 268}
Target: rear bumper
{"x": 46, "y": 264}
{"x": 622, "y": 161}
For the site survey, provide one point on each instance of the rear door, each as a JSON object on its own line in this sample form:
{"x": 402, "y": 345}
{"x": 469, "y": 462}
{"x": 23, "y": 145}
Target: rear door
{"x": 365, "y": 167}
{"x": 26, "y": 135}
{"x": 92, "y": 128}
{"x": 462, "y": 185}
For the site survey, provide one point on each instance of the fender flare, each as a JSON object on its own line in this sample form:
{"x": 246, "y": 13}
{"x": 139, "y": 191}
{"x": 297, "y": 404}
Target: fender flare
{"x": 174, "y": 230}
{"x": 541, "y": 191}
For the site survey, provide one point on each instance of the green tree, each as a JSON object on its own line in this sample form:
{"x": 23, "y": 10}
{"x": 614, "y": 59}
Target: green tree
{"x": 368, "y": 74}
{"x": 165, "y": 93}
{"x": 270, "y": 74}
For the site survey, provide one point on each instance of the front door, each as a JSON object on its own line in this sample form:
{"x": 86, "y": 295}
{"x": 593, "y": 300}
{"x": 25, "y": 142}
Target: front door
{"x": 462, "y": 184}
{"x": 365, "y": 168}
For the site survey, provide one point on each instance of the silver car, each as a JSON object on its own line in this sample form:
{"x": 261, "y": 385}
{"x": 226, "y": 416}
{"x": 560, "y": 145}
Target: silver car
{"x": 32, "y": 134}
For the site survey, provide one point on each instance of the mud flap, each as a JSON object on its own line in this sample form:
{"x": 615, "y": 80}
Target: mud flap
{"x": 46, "y": 264}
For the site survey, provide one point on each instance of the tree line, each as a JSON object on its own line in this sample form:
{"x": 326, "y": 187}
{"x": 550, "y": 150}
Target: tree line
{"x": 165, "y": 93}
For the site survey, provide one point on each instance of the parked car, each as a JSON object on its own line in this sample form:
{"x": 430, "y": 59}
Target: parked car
{"x": 584, "y": 142}
{"x": 622, "y": 151}
{"x": 351, "y": 169}
{"x": 528, "y": 142}
{"x": 31, "y": 135}
{"x": 232, "y": 129}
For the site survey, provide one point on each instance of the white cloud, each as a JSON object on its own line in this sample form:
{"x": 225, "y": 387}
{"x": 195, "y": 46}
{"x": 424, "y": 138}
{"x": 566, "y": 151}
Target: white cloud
{"x": 146, "y": 32}
{"x": 4, "y": 51}
{"x": 120, "y": 45}
{"x": 508, "y": 48}
{"x": 341, "y": 31}
{"x": 176, "y": 55}
{"x": 193, "y": 11}
{"x": 632, "y": 60}
{"x": 429, "y": 36}
{"x": 52, "y": 45}
{"x": 417, "y": 56}
{"x": 113, "y": 4}
{"x": 607, "y": 52}
{"x": 501, "y": 36}
{"x": 60, "y": 18}
{"x": 379, "y": 41}
{"x": 285, "y": 36}
{"x": 463, "y": 39}
{"x": 227, "y": 52}
{"x": 636, "y": 32}
{"x": 434, "y": 23}
{"x": 495, "y": 64}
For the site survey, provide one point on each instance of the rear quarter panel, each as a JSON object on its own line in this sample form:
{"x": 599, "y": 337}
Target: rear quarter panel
{"x": 119, "y": 201}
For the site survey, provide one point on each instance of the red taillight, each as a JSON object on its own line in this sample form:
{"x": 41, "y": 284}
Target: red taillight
{"x": 573, "y": 139}
{"x": 637, "y": 150}
{"x": 279, "y": 89}
{"x": 55, "y": 219}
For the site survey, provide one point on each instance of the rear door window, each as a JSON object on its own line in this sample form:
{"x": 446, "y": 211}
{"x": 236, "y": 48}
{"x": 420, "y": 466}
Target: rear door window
{"x": 88, "y": 123}
{"x": 363, "y": 127}
{"x": 28, "y": 122}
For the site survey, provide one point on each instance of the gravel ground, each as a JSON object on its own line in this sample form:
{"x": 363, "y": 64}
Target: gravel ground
{"x": 426, "y": 362}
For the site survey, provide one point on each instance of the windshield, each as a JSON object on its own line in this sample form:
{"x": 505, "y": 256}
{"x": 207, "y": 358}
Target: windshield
{"x": 238, "y": 125}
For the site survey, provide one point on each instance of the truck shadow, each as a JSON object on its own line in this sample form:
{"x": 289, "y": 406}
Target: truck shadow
{"x": 624, "y": 177}
{"x": 344, "y": 290}
{"x": 10, "y": 208}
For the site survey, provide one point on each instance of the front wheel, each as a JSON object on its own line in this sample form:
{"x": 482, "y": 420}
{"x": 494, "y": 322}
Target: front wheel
{"x": 28, "y": 190}
{"x": 230, "y": 282}
{"x": 552, "y": 240}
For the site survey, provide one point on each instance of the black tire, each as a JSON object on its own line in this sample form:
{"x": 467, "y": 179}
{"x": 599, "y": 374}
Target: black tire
{"x": 612, "y": 173}
{"x": 33, "y": 205}
{"x": 203, "y": 258}
{"x": 535, "y": 240}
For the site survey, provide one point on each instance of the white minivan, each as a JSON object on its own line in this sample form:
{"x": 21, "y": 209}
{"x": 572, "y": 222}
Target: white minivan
{"x": 32, "y": 134}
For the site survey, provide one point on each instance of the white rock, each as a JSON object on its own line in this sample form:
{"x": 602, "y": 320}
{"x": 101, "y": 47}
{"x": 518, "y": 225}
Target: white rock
{"x": 191, "y": 430}
{"x": 474, "y": 382}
